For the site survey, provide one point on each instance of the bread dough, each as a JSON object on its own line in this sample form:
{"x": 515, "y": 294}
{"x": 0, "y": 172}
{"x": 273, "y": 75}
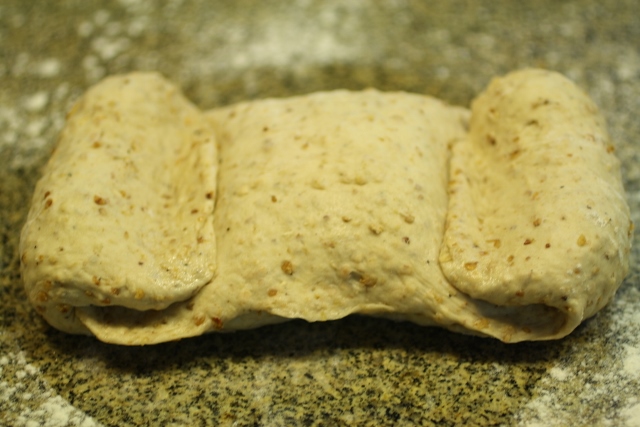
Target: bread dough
{"x": 328, "y": 204}
{"x": 122, "y": 215}
{"x": 537, "y": 215}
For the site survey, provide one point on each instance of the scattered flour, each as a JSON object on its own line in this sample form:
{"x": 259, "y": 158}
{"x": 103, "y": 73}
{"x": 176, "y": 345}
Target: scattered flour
{"x": 559, "y": 374}
{"x": 632, "y": 415}
{"x": 608, "y": 397}
{"x": 631, "y": 361}
{"x": 33, "y": 399}
{"x": 36, "y": 102}
{"x": 336, "y": 34}
{"x": 48, "y": 68}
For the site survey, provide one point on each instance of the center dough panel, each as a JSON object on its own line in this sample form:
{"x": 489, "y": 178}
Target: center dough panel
{"x": 329, "y": 204}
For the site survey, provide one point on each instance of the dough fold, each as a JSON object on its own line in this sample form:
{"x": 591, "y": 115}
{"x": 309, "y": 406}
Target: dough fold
{"x": 513, "y": 225}
{"x": 122, "y": 215}
{"x": 537, "y": 214}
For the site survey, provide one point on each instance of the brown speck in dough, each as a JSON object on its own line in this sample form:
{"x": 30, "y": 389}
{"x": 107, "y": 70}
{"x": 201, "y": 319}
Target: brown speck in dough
{"x": 406, "y": 240}
{"x": 577, "y": 270}
{"x": 96, "y": 280}
{"x": 359, "y": 180}
{"x": 547, "y": 246}
{"x": 540, "y": 102}
{"x": 528, "y": 241}
{"x": 46, "y": 194}
{"x": 481, "y": 323}
{"x": 470, "y": 266}
{"x": 99, "y": 200}
{"x": 520, "y": 293}
{"x": 115, "y": 291}
{"x": 610, "y": 148}
{"x": 491, "y": 139}
{"x": 209, "y": 195}
{"x": 42, "y": 296}
{"x": 274, "y": 199}
{"x": 510, "y": 258}
{"x": 64, "y": 308}
{"x": 139, "y": 294}
{"x": 96, "y": 145}
{"x": 408, "y": 218}
{"x": 48, "y": 203}
{"x": 368, "y": 281}
{"x": 376, "y": 229}
{"x": 537, "y": 222}
{"x": 106, "y": 301}
{"x": 582, "y": 240}
{"x": 346, "y": 219}
{"x": 198, "y": 320}
{"x": 272, "y": 292}
{"x": 496, "y": 243}
{"x": 217, "y": 322}
{"x": 287, "y": 267}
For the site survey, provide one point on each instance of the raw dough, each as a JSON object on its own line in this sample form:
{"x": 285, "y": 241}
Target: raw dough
{"x": 123, "y": 213}
{"x": 329, "y": 204}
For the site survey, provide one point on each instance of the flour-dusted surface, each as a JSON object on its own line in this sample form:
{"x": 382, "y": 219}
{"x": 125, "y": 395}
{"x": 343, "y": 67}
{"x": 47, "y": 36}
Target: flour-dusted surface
{"x": 337, "y": 373}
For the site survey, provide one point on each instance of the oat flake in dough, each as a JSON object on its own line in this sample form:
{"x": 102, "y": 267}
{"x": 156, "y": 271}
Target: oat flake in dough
{"x": 344, "y": 202}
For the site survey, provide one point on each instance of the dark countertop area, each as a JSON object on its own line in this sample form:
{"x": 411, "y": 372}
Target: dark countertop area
{"x": 356, "y": 371}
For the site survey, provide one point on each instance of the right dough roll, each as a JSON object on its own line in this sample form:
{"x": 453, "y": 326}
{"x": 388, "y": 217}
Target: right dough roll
{"x": 537, "y": 217}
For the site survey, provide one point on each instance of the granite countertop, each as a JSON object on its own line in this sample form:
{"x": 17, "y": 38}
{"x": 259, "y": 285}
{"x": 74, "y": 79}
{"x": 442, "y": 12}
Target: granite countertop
{"x": 357, "y": 371}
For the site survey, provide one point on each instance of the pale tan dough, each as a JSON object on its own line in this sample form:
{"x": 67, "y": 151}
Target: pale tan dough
{"x": 328, "y": 204}
{"x": 122, "y": 215}
{"x": 332, "y": 204}
{"x": 537, "y": 214}
{"x": 336, "y": 203}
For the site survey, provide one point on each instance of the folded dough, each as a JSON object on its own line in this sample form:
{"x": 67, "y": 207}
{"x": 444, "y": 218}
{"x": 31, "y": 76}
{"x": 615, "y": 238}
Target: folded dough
{"x": 328, "y": 204}
{"x": 122, "y": 215}
{"x": 537, "y": 214}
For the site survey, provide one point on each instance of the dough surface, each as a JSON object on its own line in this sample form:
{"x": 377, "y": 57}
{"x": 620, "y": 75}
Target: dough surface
{"x": 507, "y": 221}
{"x": 122, "y": 215}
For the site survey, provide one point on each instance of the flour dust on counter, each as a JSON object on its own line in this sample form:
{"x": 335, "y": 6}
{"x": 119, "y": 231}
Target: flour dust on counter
{"x": 33, "y": 399}
{"x": 603, "y": 388}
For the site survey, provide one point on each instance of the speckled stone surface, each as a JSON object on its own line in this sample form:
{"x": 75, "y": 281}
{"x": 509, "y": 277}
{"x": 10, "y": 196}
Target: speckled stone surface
{"x": 357, "y": 371}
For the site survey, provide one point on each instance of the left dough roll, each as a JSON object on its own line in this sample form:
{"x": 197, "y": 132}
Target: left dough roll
{"x": 123, "y": 212}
